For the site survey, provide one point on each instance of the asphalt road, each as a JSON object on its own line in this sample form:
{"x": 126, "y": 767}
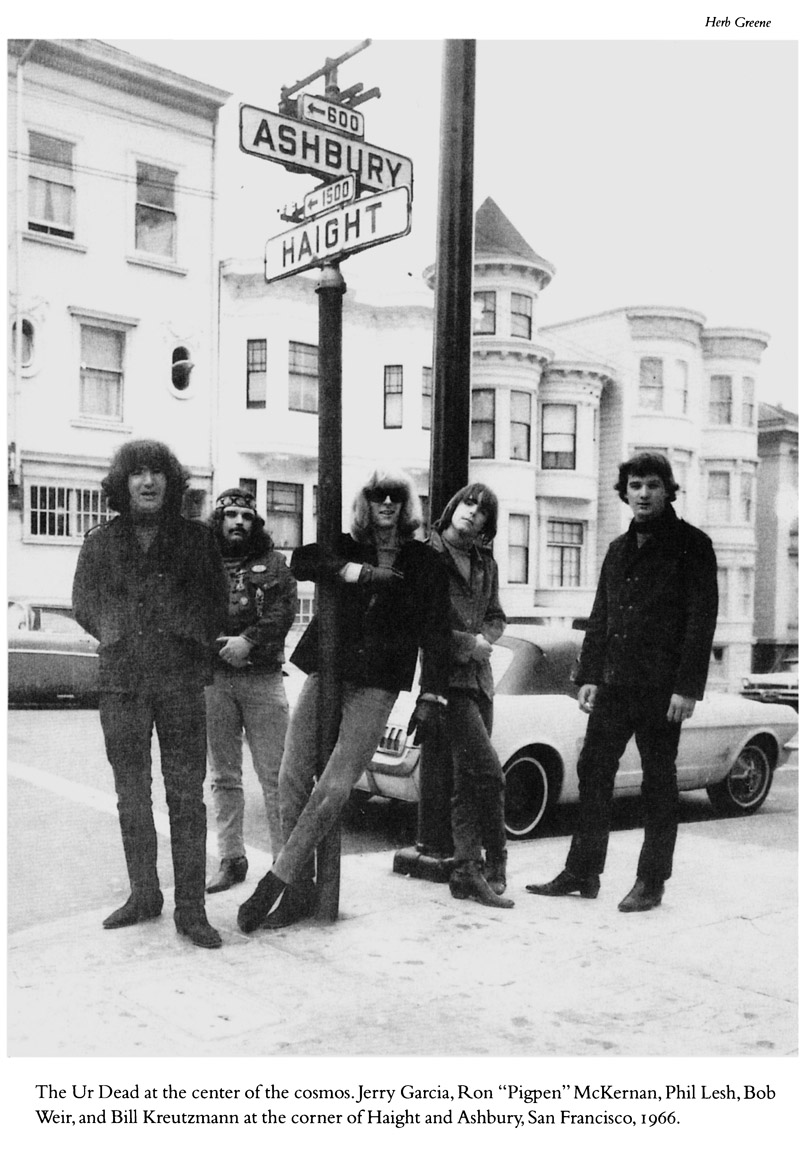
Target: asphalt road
{"x": 64, "y": 850}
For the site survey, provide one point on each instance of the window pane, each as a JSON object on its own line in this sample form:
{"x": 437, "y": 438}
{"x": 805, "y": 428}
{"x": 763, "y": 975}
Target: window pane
{"x": 682, "y": 384}
{"x": 558, "y": 436}
{"x": 393, "y": 396}
{"x": 651, "y": 383}
{"x": 721, "y": 399}
{"x": 284, "y": 517}
{"x": 50, "y": 185}
{"x": 482, "y": 423}
{"x": 483, "y": 313}
{"x": 101, "y": 348}
{"x": 303, "y": 377}
{"x": 519, "y": 425}
{"x": 154, "y": 231}
{"x": 748, "y": 400}
{"x": 257, "y": 378}
{"x": 100, "y": 377}
{"x": 518, "y": 548}
{"x": 155, "y": 186}
{"x": 521, "y": 315}
{"x": 427, "y": 398}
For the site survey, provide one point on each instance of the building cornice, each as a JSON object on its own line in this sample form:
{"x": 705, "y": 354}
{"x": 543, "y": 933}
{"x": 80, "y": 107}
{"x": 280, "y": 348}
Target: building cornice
{"x": 105, "y": 64}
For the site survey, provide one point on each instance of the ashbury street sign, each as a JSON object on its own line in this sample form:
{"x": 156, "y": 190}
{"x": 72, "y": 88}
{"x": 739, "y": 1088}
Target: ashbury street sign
{"x": 310, "y": 148}
{"x": 338, "y": 233}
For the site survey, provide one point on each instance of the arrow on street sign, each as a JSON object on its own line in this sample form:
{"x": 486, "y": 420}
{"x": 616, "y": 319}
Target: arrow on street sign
{"x": 350, "y": 228}
{"x": 305, "y": 147}
{"x": 320, "y": 111}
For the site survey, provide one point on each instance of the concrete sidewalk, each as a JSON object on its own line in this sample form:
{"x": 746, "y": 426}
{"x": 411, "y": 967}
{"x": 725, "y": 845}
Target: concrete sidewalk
{"x": 409, "y": 971}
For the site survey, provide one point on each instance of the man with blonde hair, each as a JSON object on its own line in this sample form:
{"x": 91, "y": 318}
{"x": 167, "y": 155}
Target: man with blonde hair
{"x": 393, "y": 600}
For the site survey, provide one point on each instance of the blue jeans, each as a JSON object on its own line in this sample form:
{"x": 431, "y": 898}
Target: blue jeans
{"x": 309, "y": 812}
{"x": 257, "y": 705}
{"x": 179, "y": 719}
{"x": 478, "y": 801}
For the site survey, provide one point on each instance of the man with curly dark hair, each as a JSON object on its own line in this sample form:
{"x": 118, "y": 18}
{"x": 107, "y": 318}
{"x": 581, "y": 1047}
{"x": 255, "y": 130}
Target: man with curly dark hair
{"x": 247, "y": 696}
{"x": 150, "y": 586}
{"x": 643, "y": 666}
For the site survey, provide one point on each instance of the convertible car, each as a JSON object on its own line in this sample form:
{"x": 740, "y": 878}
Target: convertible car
{"x": 730, "y": 747}
{"x": 51, "y": 660}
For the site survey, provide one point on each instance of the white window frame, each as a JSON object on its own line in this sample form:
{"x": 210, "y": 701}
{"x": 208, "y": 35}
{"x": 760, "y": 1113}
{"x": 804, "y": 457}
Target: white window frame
{"x": 75, "y": 503}
{"x": 650, "y": 394}
{"x": 518, "y": 551}
{"x": 523, "y": 420}
{"x": 295, "y": 378}
{"x": 565, "y": 555}
{"x": 719, "y": 507}
{"x": 570, "y": 435}
{"x": 720, "y": 410}
{"x": 168, "y": 212}
{"x": 41, "y": 226}
{"x": 491, "y": 422}
{"x": 252, "y": 374}
{"x": 393, "y": 396}
{"x": 117, "y": 323}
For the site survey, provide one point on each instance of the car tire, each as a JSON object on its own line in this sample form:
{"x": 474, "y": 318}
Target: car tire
{"x": 746, "y": 785}
{"x": 531, "y": 789}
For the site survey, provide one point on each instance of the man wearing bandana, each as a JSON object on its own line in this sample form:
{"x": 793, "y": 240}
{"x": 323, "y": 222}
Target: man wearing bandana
{"x": 247, "y": 696}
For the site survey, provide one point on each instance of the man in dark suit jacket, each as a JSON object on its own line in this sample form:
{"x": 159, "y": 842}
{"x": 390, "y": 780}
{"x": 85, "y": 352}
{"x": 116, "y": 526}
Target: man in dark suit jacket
{"x": 151, "y": 587}
{"x": 643, "y": 666}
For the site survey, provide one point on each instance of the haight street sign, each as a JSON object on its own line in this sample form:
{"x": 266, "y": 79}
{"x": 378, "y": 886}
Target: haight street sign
{"x": 350, "y": 228}
{"x": 309, "y": 148}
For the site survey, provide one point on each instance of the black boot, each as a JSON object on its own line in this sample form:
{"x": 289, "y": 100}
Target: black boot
{"x": 192, "y": 922}
{"x": 642, "y": 896}
{"x": 299, "y": 902}
{"x": 137, "y": 908}
{"x": 496, "y": 870}
{"x": 267, "y": 898}
{"x": 231, "y": 872}
{"x": 468, "y": 881}
{"x": 566, "y": 883}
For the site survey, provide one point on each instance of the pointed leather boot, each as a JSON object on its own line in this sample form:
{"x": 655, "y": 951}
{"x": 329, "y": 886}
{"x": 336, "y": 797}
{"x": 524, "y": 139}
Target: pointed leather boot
{"x": 230, "y": 873}
{"x": 468, "y": 881}
{"x": 268, "y": 897}
{"x": 642, "y": 896}
{"x": 137, "y": 908}
{"x": 299, "y": 902}
{"x": 496, "y": 871}
{"x": 193, "y": 924}
{"x": 566, "y": 883}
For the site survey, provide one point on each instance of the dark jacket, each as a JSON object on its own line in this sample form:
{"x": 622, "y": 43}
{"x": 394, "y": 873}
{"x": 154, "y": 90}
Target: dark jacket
{"x": 381, "y": 628}
{"x": 475, "y": 610}
{"x": 156, "y": 614}
{"x": 262, "y": 607}
{"x": 654, "y": 614}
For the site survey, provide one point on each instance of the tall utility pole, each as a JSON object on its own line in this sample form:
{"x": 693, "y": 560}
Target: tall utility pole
{"x": 451, "y": 405}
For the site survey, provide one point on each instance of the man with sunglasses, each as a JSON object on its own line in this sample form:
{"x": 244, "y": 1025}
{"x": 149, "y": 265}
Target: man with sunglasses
{"x": 393, "y": 600}
{"x": 247, "y": 695}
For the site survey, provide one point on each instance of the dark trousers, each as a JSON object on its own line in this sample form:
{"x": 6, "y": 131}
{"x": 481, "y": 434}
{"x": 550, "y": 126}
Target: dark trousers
{"x": 179, "y": 718}
{"x": 478, "y": 801}
{"x": 618, "y": 714}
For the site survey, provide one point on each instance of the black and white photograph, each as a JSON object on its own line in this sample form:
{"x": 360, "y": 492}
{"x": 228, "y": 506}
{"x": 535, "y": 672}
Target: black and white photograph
{"x": 403, "y": 576}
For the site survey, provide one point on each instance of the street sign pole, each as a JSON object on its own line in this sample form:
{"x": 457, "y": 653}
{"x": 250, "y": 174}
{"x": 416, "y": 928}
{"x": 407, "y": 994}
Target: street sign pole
{"x": 330, "y": 290}
{"x": 451, "y": 405}
{"x": 330, "y": 227}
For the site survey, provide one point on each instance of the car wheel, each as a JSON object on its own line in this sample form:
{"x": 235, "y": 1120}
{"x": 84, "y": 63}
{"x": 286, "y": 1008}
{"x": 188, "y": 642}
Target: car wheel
{"x": 529, "y": 793}
{"x": 747, "y": 783}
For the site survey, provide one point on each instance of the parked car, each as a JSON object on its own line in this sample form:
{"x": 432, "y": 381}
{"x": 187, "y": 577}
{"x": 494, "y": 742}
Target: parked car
{"x": 774, "y": 686}
{"x": 51, "y": 660}
{"x": 730, "y": 747}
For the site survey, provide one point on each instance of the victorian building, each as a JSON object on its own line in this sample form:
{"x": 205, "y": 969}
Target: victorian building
{"x": 112, "y": 282}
